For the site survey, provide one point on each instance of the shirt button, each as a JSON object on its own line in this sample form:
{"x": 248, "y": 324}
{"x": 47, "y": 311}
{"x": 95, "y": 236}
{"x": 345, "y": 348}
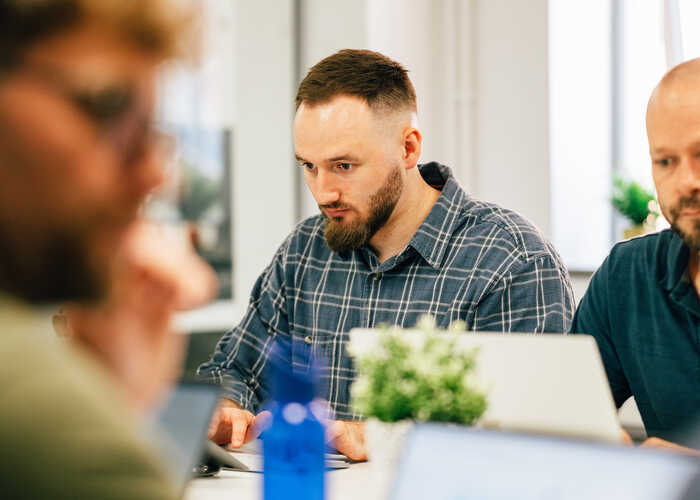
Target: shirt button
{"x": 307, "y": 339}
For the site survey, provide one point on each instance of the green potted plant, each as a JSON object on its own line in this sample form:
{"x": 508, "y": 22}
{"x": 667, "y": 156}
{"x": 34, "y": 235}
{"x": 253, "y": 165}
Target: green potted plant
{"x": 637, "y": 204}
{"x": 406, "y": 377}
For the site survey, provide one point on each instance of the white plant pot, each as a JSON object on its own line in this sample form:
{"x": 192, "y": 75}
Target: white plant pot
{"x": 385, "y": 442}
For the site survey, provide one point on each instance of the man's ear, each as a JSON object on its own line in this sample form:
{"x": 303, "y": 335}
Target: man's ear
{"x": 412, "y": 140}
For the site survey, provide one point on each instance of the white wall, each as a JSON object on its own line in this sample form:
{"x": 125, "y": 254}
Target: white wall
{"x": 480, "y": 68}
{"x": 327, "y": 27}
{"x": 512, "y": 123}
{"x": 580, "y": 134}
{"x": 431, "y": 38}
{"x": 264, "y": 200}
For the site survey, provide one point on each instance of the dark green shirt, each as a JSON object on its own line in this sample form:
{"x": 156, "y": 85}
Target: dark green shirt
{"x": 645, "y": 315}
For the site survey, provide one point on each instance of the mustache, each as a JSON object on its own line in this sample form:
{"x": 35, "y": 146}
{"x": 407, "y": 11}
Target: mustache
{"x": 692, "y": 202}
{"x": 334, "y": 206}
{"x": 689, "y": 202}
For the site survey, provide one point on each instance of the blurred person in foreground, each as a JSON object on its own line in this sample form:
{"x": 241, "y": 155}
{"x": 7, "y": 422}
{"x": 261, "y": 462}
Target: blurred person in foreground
{"x": 394, "y": 240}
{"x": 642, "y": 305}
{"x": 77, "y": 159}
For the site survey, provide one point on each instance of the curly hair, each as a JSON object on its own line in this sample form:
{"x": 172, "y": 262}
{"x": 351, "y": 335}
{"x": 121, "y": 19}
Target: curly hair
{"x": 163, "y": 27}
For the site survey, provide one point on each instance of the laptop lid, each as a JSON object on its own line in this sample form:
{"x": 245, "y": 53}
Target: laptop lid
{"x": 183, "y": 421}
{"x": 460, "y": 463}
{"x": 552, "y": 384}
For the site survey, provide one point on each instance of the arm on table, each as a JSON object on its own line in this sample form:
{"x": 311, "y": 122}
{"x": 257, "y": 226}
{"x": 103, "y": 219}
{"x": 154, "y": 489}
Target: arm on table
{"x": 231, "y": 424}
{"x": 660, "y": 444}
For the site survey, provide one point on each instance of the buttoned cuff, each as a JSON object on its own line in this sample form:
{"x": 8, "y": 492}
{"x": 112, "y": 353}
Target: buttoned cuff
{"x": 239, "y": 392}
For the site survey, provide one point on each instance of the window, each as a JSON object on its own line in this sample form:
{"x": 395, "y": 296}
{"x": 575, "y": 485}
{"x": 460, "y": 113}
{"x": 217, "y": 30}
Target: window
{"x": 605, "y": 59}
{"x": 196, "y": 109}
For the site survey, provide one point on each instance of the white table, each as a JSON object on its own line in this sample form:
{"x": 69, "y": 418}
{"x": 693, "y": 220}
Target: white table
{"x": 353, "y": 483}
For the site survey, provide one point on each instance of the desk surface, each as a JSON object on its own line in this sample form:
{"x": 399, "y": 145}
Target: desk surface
{"x": 353, "y": 483}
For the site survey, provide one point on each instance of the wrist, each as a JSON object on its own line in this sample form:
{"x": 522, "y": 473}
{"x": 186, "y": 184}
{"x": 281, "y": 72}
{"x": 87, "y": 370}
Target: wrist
{"x": 229, "y": 403}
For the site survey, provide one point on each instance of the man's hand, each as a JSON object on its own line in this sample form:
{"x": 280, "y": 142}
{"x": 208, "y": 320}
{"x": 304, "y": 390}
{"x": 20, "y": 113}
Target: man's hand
{"x": 235, "y": 426}
{"x": 129, "y": 332}
{"x": 626, "y": 438}
{"x": 654, "y": 442}
{"x": 660, "y": 444}
{"x": 348, "y": 438}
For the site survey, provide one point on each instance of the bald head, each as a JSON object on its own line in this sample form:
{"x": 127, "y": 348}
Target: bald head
{"x": 678, "y": 83}
{"x": 673, "y": 130}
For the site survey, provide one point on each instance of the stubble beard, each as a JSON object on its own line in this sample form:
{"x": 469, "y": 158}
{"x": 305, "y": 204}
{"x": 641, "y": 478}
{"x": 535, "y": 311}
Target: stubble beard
{"x": 690, "y": 238}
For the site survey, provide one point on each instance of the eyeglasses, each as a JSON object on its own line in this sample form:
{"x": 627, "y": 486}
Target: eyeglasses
{"x": 115, "y": 109}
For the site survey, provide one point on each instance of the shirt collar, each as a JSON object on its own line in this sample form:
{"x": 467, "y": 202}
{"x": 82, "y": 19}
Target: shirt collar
{"x": 434, "y": 235}
{"x": 673, "y": 273}
{"x": 17, "y": 315}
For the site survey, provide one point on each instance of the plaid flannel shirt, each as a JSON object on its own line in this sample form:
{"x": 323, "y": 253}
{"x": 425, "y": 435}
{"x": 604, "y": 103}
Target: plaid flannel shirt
{"x": 469, "y": 260}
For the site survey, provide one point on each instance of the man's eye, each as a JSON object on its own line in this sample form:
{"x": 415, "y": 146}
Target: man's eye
{"x": 346, "y": 167}
{"x": 107, "y": 105}
{"x": 306, "y": 165}
{"x": 663, "y": 162}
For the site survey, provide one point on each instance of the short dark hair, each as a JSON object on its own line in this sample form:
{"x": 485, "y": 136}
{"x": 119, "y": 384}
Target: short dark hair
{"x": 381, "y": 82}
{"x": 161, "y": 27}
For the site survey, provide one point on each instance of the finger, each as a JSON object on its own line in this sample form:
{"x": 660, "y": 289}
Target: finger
{"x": 180, "y": 271}
{"x": 351, "y": 448}
{"x": 262, "y": 421}
{"x": 350, "y": 441}
{"x": 333, "y": 430}
{"x": 661, "y": 444}
{"x": 626, "y": 438}
{"x": 221, "y": 425}
{"x": 199, "y": 286}
{"x": 239, "y": 428}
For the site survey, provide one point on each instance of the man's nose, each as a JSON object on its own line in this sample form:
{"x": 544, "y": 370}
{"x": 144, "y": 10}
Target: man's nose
{"x": 326, "y": 188}
{"x": 148, "y": 172}
{"x": 689, "y": 175}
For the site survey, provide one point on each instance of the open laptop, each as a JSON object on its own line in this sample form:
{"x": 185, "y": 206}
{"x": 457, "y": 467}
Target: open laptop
{"x": 183, "y": 422}
{"x": 552, "y": 384}
{"x": 465, "y": 463}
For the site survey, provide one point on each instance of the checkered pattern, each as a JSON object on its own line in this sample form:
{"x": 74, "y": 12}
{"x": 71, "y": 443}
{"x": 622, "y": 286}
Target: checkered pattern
{"x": 469, "y": 260}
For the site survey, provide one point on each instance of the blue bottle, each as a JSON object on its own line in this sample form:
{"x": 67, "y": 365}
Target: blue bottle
{"x": 294, "y": 442}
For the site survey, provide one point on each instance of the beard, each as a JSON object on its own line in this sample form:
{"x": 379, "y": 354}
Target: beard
{"x": 343, "y": 237}
{"x": 57, "y": 268}
{"x": 690, "y": 237}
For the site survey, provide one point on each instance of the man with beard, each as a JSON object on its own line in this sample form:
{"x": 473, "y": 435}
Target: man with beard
{"x": 642, "y": 304}
{"x": 394, "y": 241}
{"x": 77, "y": 159}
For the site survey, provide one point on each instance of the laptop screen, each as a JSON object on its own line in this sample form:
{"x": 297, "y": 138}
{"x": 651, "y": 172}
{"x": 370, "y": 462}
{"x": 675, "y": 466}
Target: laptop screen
{"x": 456, "y": 463}
{"x": 183, "y": 422}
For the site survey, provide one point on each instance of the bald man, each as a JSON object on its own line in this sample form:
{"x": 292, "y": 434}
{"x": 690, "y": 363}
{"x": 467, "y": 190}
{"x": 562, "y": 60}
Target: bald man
{"x": 642, "y": 305}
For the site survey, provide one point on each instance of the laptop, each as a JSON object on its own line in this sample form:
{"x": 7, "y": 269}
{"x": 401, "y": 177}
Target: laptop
{"x": 182, "y": 423}
{"x": 545, "y": 384}
{"x": 466, "y": 463}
